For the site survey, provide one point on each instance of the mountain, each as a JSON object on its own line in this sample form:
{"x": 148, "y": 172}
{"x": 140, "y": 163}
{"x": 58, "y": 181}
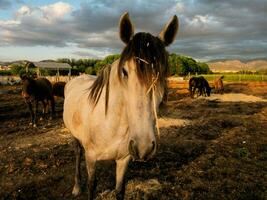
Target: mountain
{"x": 237, "y": 65}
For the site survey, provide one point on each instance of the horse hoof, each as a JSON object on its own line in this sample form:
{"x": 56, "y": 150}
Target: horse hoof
{"x": 118, "y": 194}
{"x": 76, "y": 191}
{"x": 41, "y": 119}
{"x": 50, "y": 118}
{"x": 34, "y": 126}
{"x": 30, "y": 124}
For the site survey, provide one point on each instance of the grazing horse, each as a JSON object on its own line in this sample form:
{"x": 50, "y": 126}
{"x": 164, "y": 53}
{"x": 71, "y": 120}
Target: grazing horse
{"x": 201, "y": 84}
{"x": 218, "y": 84}
{"x": 113, "y": 116}
{"x": 35, "y": 90}
{"x": 58, "y": 88}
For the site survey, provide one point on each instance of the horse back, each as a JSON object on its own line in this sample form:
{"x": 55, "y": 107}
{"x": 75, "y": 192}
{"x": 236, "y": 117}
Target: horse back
{"x": 79, "y": 84}
{"x": 58, "y": 89}
{"x": 43, "y": 88}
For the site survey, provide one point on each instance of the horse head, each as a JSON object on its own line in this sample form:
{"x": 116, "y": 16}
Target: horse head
{"x": 142, "y": 70}
{"x": 27, "y": 86}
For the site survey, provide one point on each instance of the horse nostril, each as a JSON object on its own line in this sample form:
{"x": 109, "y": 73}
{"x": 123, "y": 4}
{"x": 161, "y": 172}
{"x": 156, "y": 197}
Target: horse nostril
{"x": 153, "y": 145}
{"x": 133, "y": 149}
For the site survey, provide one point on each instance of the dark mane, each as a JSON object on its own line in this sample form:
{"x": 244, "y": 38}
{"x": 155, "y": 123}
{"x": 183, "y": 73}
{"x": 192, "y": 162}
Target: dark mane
{"x": 150, "y": 56}
{"x": 98, "y": 85}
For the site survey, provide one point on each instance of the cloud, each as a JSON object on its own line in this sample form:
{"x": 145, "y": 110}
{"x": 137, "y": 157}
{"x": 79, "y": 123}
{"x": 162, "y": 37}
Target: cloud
{"x": 55, "y": 11}
{"x": 46, "y": 26}
{"x": 207, "y": 28}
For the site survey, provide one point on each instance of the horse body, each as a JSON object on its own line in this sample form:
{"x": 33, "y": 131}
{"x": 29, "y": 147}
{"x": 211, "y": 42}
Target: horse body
{"x": 113, "y": 116}
{"x": 35, "y": 90}
{"x": 58, "y": 89}
{"x": 95, "y": 130}
{"x": 218, "y": 84}
{"x": 200, "y": 84}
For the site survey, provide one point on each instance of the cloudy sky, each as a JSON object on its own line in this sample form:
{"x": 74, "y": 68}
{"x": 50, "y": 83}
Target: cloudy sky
{"x": 209, "y": 29}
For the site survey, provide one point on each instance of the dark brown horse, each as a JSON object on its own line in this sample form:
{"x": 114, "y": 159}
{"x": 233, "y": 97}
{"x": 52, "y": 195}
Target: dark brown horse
{"x": 58, "y": 89}
{"x": 35, "y": 90}
{"x": 200, "y": 84}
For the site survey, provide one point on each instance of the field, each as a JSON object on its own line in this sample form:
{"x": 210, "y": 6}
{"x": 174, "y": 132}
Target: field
{"x": 238, "y": 77}
{"x": 210, "y": 148}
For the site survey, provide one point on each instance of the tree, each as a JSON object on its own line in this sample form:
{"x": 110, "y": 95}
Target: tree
{"x": 106, "y": 61}
{"x": 182, "y": 65}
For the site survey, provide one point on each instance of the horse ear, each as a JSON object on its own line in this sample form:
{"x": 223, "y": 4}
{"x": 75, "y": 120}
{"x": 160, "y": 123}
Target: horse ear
{"x": 126, "y": 28}
{"x": 167, "y": 35}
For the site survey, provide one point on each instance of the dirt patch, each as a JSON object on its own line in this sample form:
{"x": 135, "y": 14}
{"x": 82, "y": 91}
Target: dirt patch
{"x": 209, "y": 149}
{"x": 235, "y": 97}
{"x": 167, "y": 122}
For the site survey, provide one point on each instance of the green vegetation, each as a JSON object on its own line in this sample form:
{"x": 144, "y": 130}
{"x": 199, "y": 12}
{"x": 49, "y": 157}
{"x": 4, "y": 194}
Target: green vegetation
{"x": 183, "y": 65}
{"x": 88, "y": 66}
{"x": 5, "y": 72}
{"x": 19, "y": 69}
{"x": 178, "y": 65}
{"x": 237, "y": 77}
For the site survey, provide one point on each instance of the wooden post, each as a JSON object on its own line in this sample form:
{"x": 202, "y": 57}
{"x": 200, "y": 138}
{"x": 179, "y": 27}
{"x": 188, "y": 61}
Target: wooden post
{"x": 69, "y": 73}
{"x": 57, "y": 76}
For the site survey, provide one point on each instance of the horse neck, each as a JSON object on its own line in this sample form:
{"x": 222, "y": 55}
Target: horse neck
{"x": 116, "y": 101}
{"x": 34, "y": 86}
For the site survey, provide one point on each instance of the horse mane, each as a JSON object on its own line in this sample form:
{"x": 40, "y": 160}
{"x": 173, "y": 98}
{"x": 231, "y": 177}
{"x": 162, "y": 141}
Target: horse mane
{"x": 98, "y": 85}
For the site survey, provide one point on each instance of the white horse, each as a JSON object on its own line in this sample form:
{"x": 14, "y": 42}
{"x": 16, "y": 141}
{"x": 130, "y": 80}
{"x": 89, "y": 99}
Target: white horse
{"x": 119, "y": 123}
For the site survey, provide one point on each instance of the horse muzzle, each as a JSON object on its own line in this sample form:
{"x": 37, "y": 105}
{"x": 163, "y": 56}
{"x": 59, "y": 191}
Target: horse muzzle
{"x": 142, "y": 152}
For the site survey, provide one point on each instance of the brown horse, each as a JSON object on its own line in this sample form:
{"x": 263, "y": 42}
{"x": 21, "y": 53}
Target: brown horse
{"x": 200, "y": 84}
{"x": 35, "y": 90}
{"x": 113, "y": 116}
{"x": 218, "y": 84}
{"x": 58, "y": 88}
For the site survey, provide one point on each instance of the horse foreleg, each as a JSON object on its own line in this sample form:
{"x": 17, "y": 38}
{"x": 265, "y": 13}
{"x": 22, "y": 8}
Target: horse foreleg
{"x": 90, "y": 165}
{"x": 35, "y": 111}
{"x": 204, "y": 92}
{"x": 120, "y": 172}
{"x": 44, "y": 108}
{"x": 52, "y": 101}
{"x": 78, "y": 151}
{"x": 194, "y": 91}
{"x": 31, "y": 112}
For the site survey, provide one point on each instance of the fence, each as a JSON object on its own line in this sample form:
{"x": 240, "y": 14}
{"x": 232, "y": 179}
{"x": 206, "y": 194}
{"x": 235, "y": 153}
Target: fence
{"x": 8, "y": 80}
{"x": 59, "y": 78}
{"x": 236, "y": 77}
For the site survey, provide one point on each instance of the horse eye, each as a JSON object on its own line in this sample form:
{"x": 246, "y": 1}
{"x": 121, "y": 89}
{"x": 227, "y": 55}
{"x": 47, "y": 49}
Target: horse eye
{"x": 125, "y": 74}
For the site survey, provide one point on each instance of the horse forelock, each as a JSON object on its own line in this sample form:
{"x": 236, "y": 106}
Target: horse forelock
{"x": 98, "y": 85}
{"x": 149, "y": 55}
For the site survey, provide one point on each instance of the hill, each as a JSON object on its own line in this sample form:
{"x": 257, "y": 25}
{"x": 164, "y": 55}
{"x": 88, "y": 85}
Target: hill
{"x": 237, "y": 65}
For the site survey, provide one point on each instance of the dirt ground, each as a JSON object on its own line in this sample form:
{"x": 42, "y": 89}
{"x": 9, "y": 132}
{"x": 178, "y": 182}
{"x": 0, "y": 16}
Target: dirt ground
{"x": 210, "y": 148}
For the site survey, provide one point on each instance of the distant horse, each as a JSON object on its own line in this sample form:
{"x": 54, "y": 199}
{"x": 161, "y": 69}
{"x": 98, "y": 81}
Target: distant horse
{"x": 58, "y": 89}
{"x": 199, "y": 84}
{"x": 113, "y": 116}
{"x": 218, "y": 84}
{"x": 35, "y": 90}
